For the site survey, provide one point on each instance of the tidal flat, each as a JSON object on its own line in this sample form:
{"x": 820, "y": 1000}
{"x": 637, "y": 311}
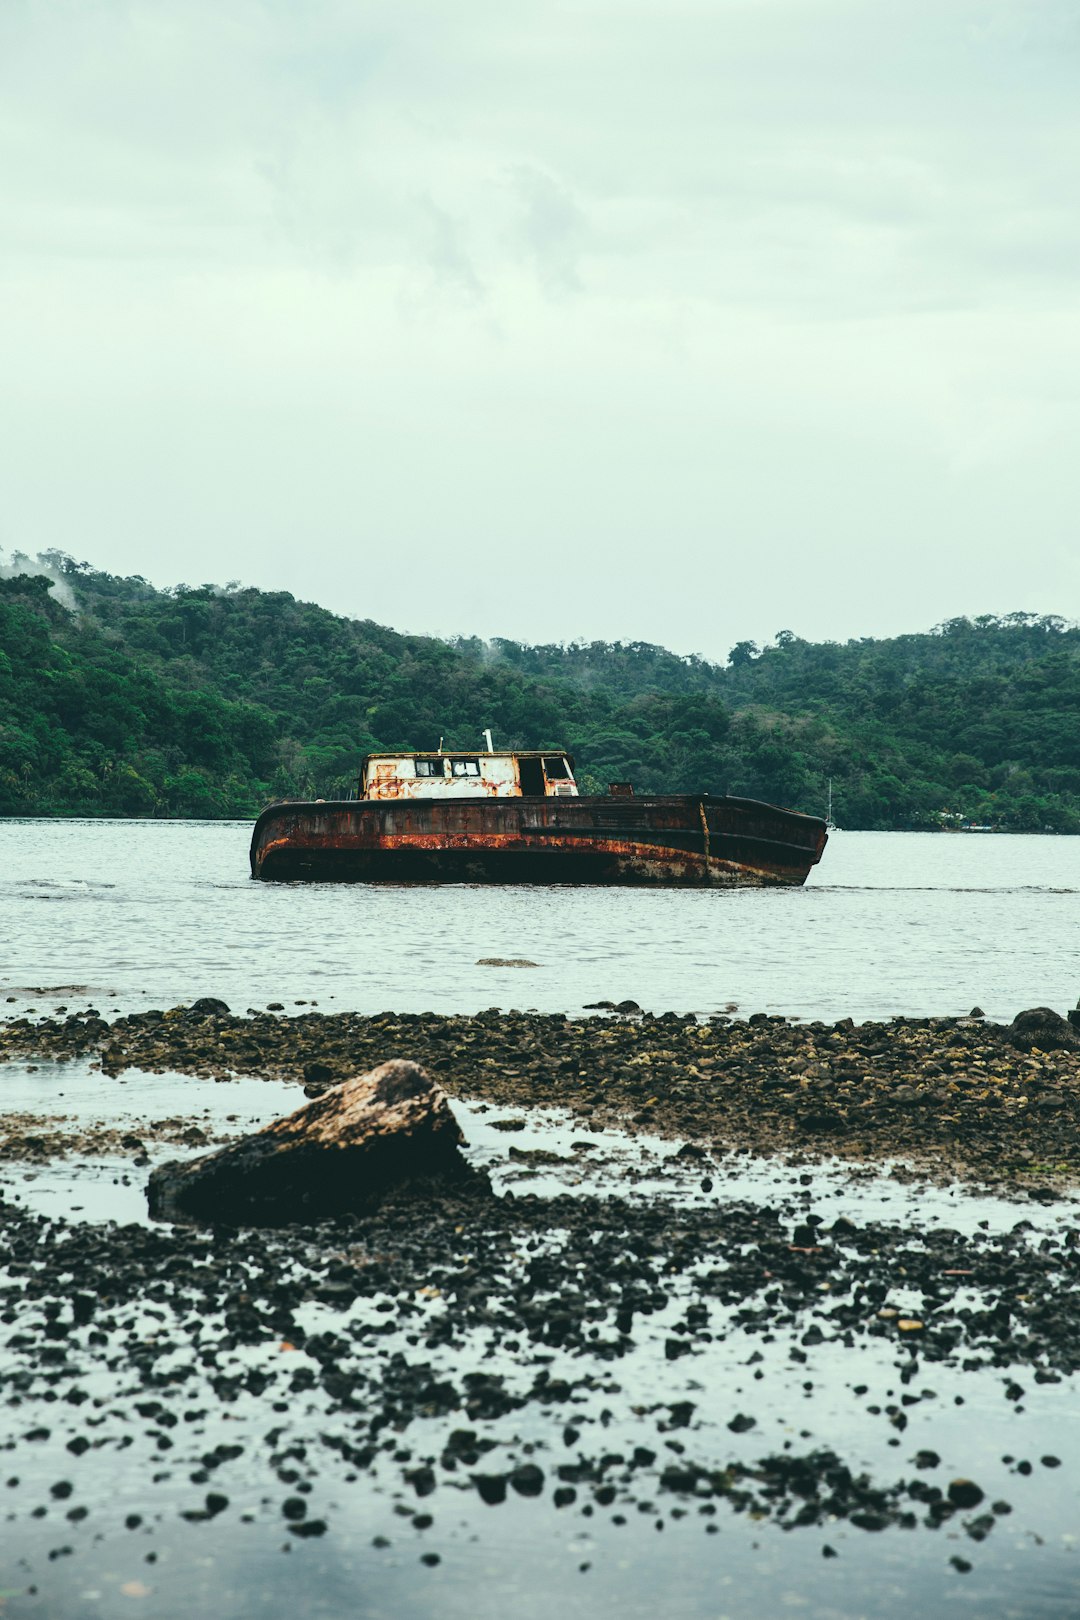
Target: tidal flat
{"x": 953, "y": 1094}
{"x": 753, "y": 1314}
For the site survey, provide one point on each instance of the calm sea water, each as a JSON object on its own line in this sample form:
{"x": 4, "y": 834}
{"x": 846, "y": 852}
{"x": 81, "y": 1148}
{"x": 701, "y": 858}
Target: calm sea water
{"x": 133, "y": 914}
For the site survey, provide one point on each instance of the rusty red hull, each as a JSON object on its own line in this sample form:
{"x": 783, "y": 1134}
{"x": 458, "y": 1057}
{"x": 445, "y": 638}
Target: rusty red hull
{"x": 666, "y": 841}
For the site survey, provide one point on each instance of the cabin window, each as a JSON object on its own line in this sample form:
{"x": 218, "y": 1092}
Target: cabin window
{"x": 531, "y": 777}
{"x": 428, "y": 767}
{"x": 465, "y": 767}
{"x": 556, "y": 768}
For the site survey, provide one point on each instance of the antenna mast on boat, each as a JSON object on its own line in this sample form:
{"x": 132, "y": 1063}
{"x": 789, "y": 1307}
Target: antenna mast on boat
{"x": 487, "y": 739}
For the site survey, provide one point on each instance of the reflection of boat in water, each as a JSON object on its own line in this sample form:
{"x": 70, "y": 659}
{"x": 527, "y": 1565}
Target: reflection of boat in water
{"x": 519, "y": 818}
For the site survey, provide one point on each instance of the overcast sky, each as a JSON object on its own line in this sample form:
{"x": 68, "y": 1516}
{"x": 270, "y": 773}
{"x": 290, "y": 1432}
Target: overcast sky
{"x": 681, "y": 320}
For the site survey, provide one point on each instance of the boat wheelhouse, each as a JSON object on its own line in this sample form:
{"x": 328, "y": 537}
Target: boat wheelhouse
{"x": 525, "y": 773}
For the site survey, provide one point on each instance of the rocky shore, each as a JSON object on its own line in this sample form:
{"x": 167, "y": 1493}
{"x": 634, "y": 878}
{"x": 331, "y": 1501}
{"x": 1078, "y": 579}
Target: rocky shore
{"x": 181, "y": 1404}
{"x": 961, "y": 1096}
{"x": 440, "y": 1326}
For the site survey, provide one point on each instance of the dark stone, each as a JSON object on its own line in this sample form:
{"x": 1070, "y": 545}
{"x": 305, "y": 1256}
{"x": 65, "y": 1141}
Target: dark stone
{"x": 347, "y": 1150}
{"x": 964, "y": 1493}
{"x": 1044, "y": 1028}
{"x": 309, "y": 1527}
{"x": 528, "y": 1480}
{"x": 627, "y": 1007}
{"x": 209, "y": 1005}
{"x": 422, "y": 1480}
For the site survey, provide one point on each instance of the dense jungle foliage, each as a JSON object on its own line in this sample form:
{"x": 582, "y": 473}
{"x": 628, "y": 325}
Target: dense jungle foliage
{"x": 210, "y": 702}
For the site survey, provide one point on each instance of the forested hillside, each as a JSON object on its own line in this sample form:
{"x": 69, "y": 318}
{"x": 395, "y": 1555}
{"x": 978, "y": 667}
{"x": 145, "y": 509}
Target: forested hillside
{"x": 210, "y": 702}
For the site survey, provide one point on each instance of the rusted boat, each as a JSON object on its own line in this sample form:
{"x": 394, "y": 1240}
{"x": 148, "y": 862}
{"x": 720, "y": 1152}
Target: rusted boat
{"x": 518, "y": 817}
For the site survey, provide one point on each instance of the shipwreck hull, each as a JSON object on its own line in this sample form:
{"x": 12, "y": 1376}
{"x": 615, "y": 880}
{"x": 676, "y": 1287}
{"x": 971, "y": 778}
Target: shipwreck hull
{"x": 665, "y": 841}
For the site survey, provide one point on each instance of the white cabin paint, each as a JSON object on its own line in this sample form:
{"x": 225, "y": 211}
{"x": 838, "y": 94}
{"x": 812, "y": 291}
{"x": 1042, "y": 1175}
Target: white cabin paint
{"x": 467, "y": 776}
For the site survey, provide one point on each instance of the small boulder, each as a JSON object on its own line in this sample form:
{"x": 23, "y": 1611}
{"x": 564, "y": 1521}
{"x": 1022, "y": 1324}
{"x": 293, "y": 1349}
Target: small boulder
{"x": 1044, "y": 1028}
{"x": 350, "y": 1148}
{"x": 527, "y": 1480}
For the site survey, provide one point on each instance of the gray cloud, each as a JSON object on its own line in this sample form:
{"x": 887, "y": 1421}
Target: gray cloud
{"x": 553, "y": 228}
{"x": 677, "y": 321}
{"x": 446, "y": 255}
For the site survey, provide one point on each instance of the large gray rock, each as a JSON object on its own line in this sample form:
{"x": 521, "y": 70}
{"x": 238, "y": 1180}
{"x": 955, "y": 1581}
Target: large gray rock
{"x": 384, "y": 1131}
